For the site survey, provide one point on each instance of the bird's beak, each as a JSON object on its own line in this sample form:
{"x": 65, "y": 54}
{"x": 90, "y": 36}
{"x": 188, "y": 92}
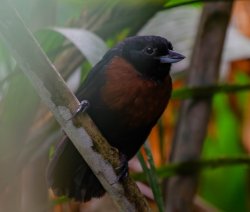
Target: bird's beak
{"x": 171, "y": 57}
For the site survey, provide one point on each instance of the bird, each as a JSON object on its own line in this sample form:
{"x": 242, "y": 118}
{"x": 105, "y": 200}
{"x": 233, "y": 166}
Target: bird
{"x": 127, "y": 91}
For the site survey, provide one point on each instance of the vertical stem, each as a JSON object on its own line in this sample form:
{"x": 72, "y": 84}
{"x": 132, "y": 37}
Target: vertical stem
{"x": 194, "y": 113}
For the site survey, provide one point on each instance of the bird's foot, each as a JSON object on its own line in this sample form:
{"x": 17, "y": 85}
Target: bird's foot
{"x": 83, "y": 106}
{"x": 122, "y": 170}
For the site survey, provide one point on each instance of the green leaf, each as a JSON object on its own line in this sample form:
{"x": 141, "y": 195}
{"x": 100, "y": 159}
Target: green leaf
{"x": 50, "y": 41}
{"x": 60, "y": 200}
{"x": 177, "y": 3}
{"x": 152, "y": 177}
{"x": 89, "y": 44}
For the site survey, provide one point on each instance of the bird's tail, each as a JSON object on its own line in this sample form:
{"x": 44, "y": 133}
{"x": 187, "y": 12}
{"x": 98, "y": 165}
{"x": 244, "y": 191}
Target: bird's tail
{"x": 68, "y": 174}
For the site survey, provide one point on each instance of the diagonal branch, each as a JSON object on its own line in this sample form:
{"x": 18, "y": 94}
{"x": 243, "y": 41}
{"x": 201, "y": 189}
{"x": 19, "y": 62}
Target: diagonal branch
{"x": 54, "y": 93}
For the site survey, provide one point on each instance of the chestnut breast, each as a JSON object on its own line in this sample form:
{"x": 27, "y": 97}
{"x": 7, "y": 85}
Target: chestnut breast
{"x": 139, "y": 100}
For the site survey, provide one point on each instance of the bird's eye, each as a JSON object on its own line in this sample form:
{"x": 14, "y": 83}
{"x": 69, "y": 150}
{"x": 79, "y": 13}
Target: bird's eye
{"x": 149, "y": 50}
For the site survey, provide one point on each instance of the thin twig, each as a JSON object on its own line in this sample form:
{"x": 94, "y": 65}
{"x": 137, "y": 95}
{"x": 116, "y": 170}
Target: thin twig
{"x": 208, "y": 91}
{"x": 191, "y": 167}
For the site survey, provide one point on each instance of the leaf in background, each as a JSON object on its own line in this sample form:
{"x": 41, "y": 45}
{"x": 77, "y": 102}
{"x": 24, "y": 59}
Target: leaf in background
{"x": 89, "y": 44}
{"x": 50, "y": 42}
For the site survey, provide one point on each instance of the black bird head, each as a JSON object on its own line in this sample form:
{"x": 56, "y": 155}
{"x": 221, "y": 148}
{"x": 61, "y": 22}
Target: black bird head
{"x": 152, "y": 56}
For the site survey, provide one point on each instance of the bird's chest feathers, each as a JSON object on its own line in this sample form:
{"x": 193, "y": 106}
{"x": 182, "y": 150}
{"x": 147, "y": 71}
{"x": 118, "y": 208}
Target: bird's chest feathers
{"x": 136, "y": 99}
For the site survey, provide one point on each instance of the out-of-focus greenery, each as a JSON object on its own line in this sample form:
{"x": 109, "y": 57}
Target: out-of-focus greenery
{"x": 227, "y": 188}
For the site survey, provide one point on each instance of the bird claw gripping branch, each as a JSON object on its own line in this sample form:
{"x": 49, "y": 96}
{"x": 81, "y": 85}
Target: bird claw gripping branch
{"x": 83, "y": 107}
{"x": 122, "y": 170}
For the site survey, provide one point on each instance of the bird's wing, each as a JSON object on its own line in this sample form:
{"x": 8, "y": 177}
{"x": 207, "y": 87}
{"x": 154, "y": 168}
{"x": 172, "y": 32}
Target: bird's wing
{"x": 96, "y": 78}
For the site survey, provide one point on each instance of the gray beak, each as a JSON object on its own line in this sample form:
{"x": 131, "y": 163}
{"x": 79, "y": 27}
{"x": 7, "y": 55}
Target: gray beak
{"x": 171, "y": 57}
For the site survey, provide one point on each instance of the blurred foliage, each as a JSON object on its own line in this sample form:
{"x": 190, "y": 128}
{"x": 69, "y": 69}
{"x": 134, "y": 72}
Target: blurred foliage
{"x": 231, "y": 183}
{"x": 74, "y": 34}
